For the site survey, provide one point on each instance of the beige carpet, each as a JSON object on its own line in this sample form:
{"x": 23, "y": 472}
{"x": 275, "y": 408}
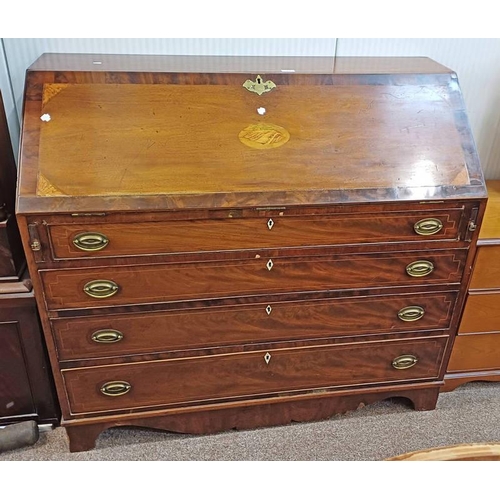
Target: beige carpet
{"x": 469, "y": 414}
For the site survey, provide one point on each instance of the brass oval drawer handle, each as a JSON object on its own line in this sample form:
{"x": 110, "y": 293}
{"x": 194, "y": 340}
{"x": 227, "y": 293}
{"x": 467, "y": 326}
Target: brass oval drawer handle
{"x": 404, "y": 362}
{"x": 419, "y": 268}
{"x": 107, "y": 336}
{"x": 90, "y": 242}
{"x": 115, "y": 388}
{"x": 101, "y": 289}
{"x": 426, "y": 227}
{"x": 411, "y": 313}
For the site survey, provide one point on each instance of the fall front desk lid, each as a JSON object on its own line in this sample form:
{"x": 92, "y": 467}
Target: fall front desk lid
{"x": 242, "y": 138}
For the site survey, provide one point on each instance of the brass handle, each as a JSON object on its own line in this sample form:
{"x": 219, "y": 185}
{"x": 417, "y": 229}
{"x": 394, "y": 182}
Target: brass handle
{"x": 419, "y": 268}
{"x": 90, "y": 242}
{"x": 411, "y": 313}
{"x": 404, "y": 362}
{"x": 107, "y": 336}
{"x": 101, "y": 289}
{"x": 115, "y": 388}
{"x": 426, "y": 227}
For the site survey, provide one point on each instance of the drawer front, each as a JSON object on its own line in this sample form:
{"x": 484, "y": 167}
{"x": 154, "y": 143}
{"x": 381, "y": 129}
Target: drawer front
{"x": 249, "y": 374}
{"x": 486, "y": 272}
{"x": 170, "y": 282}
{"x": 75, "y": 241}
{"x": 475, "y": 353}
{"x": 481, "y": 313}
{"x": 118, "y": 335}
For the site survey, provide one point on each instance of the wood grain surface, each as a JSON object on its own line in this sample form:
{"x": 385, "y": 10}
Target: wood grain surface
{"x": 64, "y": 289}
{"x": 187, "y": 135}
{"x": 234, "y": 233}
{"x": 243, "y": 375}
{"x": 486, "y": 273}
{"x": 490, "y": 229}
{"x": 477, "y": 352}
{"x": 481, "y": 313}
{"x": 265, "y": 322}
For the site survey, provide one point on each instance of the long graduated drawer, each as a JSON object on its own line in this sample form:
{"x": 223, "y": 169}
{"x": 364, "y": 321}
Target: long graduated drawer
{"x": 259, "y": 373}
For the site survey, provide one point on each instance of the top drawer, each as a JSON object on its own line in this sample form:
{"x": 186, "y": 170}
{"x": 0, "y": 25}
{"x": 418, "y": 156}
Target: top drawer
{"x": 76, "y": 241}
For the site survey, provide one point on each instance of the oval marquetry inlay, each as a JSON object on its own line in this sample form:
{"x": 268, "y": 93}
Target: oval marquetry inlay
{"x": 264, "y": 136}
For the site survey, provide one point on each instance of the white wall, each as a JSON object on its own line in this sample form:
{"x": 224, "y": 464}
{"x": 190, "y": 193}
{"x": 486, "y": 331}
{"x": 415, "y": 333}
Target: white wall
{"x": 21, "y": 52}
{"x": 476, "y": 61}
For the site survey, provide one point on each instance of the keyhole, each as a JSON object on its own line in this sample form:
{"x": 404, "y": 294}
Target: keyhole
{"x": 259, "y": 80}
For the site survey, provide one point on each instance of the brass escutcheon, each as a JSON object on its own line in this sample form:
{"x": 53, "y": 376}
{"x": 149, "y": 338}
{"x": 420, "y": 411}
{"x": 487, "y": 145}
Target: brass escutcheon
{"x": 36, "y": 246}
{"x": 90, "y": 242}
{"x": 107, "y": 336}
{"x": 404, "y": 361}
{"x": 419, "y": 268}
{"x": 101, "y": 289}
{"x": 427, "y": 227}
{"x": 411, "y": 313}
{"x": 115, "y": 388}
{"x": 259, "y": 86}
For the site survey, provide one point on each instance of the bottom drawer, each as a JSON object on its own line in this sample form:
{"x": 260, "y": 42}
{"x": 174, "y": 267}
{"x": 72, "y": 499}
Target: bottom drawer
{"x": 475, "y": 352}
{"x": 247, "y": 374}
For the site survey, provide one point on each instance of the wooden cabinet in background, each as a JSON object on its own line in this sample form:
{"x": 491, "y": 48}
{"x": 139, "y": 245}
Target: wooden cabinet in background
{"x": 216, "y": 243}
{"x": 26, "y": 386}
{"x": 476, "y": 353}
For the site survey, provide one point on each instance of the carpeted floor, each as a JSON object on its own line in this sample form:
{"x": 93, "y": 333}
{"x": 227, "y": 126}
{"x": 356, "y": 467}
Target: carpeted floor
{"x": 469, "y": 414}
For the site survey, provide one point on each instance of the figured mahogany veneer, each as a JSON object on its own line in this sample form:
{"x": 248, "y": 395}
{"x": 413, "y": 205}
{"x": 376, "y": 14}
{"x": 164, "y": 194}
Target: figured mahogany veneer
{"x": 207, "y": 258}
{"x": 277, "y": 230}
{"x": 226, "y": 376}
{"x": 242, "y": 324}
{"x": 64, "y": 289}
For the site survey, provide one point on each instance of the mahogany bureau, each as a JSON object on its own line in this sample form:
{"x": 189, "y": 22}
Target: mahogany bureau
{"x": 476, "y": 352}
{"x": 231, "y": 242}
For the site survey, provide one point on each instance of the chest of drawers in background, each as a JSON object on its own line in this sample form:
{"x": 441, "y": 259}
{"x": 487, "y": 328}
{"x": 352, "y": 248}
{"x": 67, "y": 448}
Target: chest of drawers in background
{"x": 476, "y": 353}
{"x": 26, "y": 388}
{"x": 214, "y": 249}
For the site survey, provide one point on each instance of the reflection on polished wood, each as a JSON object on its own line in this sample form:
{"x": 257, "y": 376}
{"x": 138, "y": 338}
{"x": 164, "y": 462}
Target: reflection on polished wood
{"x": 188, "y": 136}
{"x": 461, "y": 452}
{"x": 490, "y": 228}
{"x": 236, "y": 64}
{"x": 251, "y": 285}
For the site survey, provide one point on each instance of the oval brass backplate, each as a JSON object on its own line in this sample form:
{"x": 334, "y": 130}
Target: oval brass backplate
{"x": 107, "y": 336}
{"x": 419, "y": 268}
{"x": 90, "y": 242}
{"x": 101, "y": 289}
{"x": 115, "y": 388}
{"x": 411, "y": 313}
{"x": 404, "y": 361}
{"x": 427, "y": 227}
